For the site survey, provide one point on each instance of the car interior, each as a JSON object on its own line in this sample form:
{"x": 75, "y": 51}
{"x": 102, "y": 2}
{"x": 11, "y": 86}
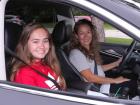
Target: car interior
{"x": 60, "y": 34}
{"x": 60, "y": 25}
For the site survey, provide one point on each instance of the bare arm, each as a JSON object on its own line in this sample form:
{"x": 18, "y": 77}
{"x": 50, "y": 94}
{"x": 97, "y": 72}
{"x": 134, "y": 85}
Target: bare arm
{"x": 90, "y": 77}
{"x": 111, "y": 65}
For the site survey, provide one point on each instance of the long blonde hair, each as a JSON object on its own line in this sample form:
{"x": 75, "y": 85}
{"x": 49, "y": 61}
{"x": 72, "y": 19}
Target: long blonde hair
{"x": 24, "y": 54}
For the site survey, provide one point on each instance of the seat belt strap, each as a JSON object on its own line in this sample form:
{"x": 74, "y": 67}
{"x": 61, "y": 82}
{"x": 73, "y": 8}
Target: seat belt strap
{"x": 95, "y": 68}
{"x": 43, "y": 75}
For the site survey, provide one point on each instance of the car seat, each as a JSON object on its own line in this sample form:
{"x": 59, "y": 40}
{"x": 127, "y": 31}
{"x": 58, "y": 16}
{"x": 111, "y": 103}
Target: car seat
{"x": 61, "y": 35}
{"x": 12, "y": 33}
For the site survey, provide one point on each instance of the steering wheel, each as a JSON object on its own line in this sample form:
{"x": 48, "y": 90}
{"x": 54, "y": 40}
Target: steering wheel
{"x": 127, "y": 55}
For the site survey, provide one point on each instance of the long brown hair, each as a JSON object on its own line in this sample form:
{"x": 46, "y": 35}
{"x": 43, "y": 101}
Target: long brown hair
{"x": 24, "y": 54}
{"x": 93, "y": 52}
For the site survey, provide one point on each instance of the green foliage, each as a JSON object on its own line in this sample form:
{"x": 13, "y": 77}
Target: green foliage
{"x": 118, "y": 40}
{"x": 107, "y": 26}
{"x": 79, "y": 12}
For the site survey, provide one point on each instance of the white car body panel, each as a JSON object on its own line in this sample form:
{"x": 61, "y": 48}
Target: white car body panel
{"x": 2, "y": 56}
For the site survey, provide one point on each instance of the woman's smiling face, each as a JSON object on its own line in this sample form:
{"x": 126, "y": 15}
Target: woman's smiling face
{"x": 38, "y": 43}
{"x": 84, "y": 35}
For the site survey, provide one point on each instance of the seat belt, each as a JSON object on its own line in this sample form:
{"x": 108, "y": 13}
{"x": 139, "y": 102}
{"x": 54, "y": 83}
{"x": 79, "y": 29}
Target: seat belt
{"x": 96, "y": 72}
{"x": 38, "y": 72}
{"x": 95, "y": 68}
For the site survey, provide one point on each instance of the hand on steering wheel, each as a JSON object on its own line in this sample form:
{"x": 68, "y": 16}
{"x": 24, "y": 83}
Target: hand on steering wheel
{"x": 127, "y": 55}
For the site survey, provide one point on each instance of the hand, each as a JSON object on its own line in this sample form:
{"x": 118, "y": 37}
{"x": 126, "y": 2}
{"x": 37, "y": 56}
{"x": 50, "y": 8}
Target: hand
{"x": 62, "y": 83}
{"x": 121, "y": 80}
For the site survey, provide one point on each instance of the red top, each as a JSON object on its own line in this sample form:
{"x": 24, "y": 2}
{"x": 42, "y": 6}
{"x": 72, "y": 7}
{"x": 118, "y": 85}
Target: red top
{"x": 26, "y": 75}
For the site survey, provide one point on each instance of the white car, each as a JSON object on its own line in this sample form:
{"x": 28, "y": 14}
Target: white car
{"x": 58, "y": 17}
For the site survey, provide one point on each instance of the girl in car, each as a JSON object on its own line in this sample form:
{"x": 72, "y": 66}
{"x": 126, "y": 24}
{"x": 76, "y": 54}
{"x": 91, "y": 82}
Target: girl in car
{"x": 84, "y": 55}
{"x": 35, "y": 47}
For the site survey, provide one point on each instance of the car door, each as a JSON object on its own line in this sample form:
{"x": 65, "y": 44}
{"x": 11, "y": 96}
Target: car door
{"x": 15, "y": 94}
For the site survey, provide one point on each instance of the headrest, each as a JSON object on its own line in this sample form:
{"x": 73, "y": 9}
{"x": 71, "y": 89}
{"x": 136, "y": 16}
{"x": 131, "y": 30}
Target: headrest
{"x": 61, "y": 33}
{"x": 12, "y": 34}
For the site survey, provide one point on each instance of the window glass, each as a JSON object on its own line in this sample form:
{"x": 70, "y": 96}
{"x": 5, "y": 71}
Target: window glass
{"x": 106, "y": 32}
{"x": 29, "y": 13}
{"x": 47, "y": 16}
{"x": 113, "y": 35}
{"x": 80, "y": 14}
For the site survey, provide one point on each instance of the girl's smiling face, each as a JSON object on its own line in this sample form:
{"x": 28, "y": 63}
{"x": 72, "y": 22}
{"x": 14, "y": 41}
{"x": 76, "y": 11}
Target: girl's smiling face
{"x": 38, "y": 43}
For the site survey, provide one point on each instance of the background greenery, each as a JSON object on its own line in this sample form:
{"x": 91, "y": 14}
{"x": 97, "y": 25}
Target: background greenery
{"x": 118, "y": 40}
{"x": 125, "y": 41}
{"x": 108, "y": 26}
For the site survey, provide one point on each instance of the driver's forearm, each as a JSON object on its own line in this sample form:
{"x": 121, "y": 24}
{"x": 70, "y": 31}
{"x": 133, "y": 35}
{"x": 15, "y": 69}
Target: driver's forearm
{"x": 101, "y": 80}
{"x": 109, "y": 66}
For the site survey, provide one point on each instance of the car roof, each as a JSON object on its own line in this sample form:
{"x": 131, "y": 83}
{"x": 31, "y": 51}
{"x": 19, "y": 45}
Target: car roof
{"x": 123, "y": 9}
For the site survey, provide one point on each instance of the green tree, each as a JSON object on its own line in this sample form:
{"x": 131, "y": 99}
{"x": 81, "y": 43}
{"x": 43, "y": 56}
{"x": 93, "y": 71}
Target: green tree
{"x": 79, "y": 12}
